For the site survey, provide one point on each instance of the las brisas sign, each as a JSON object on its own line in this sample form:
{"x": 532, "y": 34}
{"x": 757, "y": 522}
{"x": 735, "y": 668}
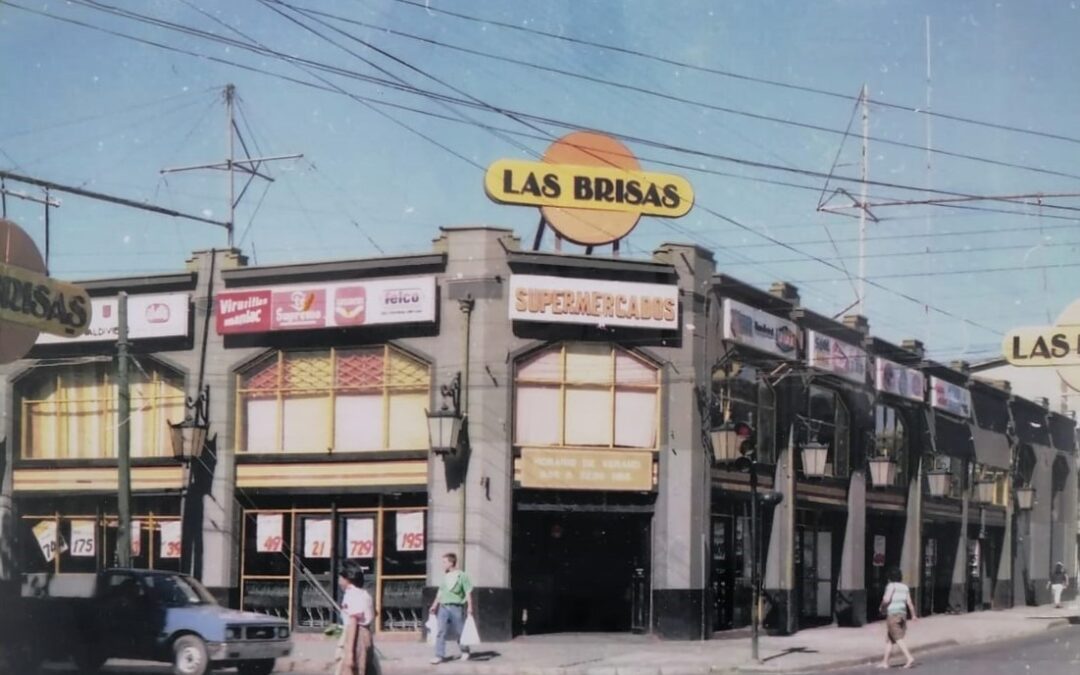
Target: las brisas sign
{"x": 346, "y": 304}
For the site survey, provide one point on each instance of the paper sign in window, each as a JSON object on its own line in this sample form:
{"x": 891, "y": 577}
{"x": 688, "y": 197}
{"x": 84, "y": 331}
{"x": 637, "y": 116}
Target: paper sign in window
{"x": 136, "y": 538}
{"x": 170, "y": 539}
{"x": 317, "y": 538}
{"x": 410, "y": 530}
{"x": 83, "y": 538}
{"x": 360, "y": 533}
{"x": 268, "y": 529}
{"x": 47, "y": 539}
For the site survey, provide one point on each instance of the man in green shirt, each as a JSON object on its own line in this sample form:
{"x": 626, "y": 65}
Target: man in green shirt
{"x": 453, "y": 603}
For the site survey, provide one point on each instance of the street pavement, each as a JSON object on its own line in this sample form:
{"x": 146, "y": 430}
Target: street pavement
{"x": 935, "y": 640}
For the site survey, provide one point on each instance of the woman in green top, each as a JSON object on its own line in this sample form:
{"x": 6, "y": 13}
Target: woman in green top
{"x": 452, "y": 604}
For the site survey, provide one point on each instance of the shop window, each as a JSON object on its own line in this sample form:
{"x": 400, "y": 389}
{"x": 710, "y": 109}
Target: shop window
{"x": 342, "y": 400}
{"x": 954, "y": 467}
{"x": 388, "y": 543}
{"x": 829, "y": 423}
{"x": 891, "y": 437}
{"x": 745, "y": 397}
{"x": 71, "y": 412}
{"x": 87, "y": 543}
{"x": 583, "y": 394}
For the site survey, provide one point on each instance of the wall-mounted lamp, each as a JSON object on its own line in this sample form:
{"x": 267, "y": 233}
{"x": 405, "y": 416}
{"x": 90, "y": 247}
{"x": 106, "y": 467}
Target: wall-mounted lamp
{"x": 444, "y": 425}
{"x": 189, "y": 436}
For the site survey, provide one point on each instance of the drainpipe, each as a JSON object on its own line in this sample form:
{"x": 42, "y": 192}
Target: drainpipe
{"x": 467, "y": 306}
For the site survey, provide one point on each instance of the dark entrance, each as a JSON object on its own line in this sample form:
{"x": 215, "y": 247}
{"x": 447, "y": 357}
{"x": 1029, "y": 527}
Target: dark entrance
{"x": 884, "y": 545}
{"x": 818, "y": 548}
{"x": 939, "y": 555}
{"x": 580, "y": 571}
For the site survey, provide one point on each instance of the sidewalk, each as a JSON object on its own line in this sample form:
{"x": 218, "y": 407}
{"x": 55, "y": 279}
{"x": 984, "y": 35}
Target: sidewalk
{"x": 605, "y": 654}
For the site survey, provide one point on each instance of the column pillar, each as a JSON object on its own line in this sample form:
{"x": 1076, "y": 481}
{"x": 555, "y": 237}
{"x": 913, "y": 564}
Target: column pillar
{"x": 851, "y": 587}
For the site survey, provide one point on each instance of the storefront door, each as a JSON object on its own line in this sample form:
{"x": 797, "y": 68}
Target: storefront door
{"x": 814, "y": 569}
{"x": 580, "y": 571}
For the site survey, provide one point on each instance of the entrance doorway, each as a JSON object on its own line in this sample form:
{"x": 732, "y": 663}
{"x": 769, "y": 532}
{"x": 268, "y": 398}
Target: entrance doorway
{"x": 580, "y": 571}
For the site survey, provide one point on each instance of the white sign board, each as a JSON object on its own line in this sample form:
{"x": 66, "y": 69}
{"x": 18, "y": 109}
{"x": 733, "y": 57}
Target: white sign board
{"x": 170, "y": 539}
{"x": 410, "y": 530}
{"x": 268, "y": 529}
{"x": 752, "y": 327}
{"x": 160, "y": 315}
{"x": 83, "y": 538}
{"x": 360, "y": 533}
{"x": 136, "y": 538}
{"x": 892, "y": 378}
{"x": 879, "y": 550}
{"x": 317, "y": 538}
{"x": 343, "y": 304}
{"x": 833, "y": 356}
{"x": 950, "y": 398}
{"x": 594, "y": 302}
{"x": 47, "y": 539}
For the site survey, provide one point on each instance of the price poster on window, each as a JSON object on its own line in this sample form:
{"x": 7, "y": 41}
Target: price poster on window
{"x": 83, "y": 538}
{"x": 268, "y": 529}
{"x": 170, "y": 539}
{"x": 317, "y": 538}
{"x": 360, "y": 533}
{"x": 410, "y": 530}
{"x": 879, "y": 550}
{"x": 136, "y": 538}
{"x": 45, "y": 533}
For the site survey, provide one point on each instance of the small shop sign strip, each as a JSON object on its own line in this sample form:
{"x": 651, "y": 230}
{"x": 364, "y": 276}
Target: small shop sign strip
{"x": 950, "y": 398}
{"x": 156, "y": 315}
{"x": 593, "y": 302}
{"x": 830, "y": 355}
{"x": 892, "y": 378}
{"x": 345, "y": 304}
{"x": 586, "y": 469}
{"x": 746, "y": 325}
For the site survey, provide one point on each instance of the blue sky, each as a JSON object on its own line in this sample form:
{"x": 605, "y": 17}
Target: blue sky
{"x": 91, "y": 109}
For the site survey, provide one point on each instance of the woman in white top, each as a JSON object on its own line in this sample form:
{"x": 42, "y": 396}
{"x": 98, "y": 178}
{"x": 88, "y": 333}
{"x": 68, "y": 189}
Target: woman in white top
{"x": 896, "y": 605}
{"x": 357, "y": 613}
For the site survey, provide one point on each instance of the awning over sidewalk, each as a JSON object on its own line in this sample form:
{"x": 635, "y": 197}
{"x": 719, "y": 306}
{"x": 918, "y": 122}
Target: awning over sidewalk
{"x": 991, "y": 448}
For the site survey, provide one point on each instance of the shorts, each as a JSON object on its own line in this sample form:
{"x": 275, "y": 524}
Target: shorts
{"x": 897, "y": 626}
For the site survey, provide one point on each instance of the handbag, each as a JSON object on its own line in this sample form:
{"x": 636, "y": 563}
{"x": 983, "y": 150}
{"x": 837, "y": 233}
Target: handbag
{"x": 431, "y": 627}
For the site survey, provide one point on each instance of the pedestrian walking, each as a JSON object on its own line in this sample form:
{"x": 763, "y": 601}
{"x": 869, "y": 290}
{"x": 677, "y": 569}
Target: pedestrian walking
{"x": 1058, "y": 581}
{"x": 453, "y": 604}
{"x": 357, "y": 614}
{"x": 897, "y": 607}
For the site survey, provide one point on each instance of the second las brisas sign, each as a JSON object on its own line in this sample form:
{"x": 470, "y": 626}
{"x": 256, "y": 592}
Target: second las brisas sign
{"x": 594, "y": 302}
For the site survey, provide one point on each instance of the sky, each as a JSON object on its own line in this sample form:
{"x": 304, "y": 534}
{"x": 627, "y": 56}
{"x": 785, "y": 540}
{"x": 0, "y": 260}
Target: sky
{"x": 383, "y": 169}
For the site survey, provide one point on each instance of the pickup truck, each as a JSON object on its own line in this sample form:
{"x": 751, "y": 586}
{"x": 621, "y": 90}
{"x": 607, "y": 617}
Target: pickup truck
{"x": 142, "y": 615}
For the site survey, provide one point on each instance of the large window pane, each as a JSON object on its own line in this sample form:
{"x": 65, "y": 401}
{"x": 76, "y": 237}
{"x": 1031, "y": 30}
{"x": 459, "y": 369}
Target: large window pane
{"x": 587, "y": 362}
{"x": 306, "y": 424}
{"x": 408, "y": 422}
{"x": 635, "y": 418}
{"x": 358, "y": 423}
{"x": 588, "y": 416}
{"x": 262, "y": 425}
{"x": 536, "y": 415}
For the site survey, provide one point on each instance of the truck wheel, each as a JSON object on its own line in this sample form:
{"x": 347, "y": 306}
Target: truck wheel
{"x": 190, "y": 656}
{"x": 259, "y": 667}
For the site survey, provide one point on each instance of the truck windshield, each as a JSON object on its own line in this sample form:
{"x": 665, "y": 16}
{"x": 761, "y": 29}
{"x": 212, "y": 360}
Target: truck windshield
{"x": 176, "y": 591}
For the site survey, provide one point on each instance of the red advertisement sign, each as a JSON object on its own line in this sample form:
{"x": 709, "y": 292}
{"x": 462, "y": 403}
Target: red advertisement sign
{"x": 350, "y": 306}
{"x": 298, "y": 308}
{"x": 243, "y": 312}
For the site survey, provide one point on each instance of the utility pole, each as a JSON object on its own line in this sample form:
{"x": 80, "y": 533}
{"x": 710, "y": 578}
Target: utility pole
{"x": 123, "y": 430}
{"x": 467, "y": 306}
{"x": 230, "y": 165}
{"x": 864, "y": 175}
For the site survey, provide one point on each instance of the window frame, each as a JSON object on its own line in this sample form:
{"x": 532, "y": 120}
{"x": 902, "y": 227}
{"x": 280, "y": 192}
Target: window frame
{"x": 563, "y": 383}
{"x": 329, "y": 394}
{"x": 763, "y": 411}
{"x": 841, "y": 429}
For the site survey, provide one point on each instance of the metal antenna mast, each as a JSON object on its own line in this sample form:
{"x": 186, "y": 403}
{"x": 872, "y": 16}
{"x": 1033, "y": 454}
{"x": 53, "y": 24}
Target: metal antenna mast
{"x": 248, "y": 165}
{"x": 864, "y": 175}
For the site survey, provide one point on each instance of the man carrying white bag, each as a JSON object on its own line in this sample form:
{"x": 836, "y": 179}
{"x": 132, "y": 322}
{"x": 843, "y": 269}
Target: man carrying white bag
{"x": 452, "y": 612}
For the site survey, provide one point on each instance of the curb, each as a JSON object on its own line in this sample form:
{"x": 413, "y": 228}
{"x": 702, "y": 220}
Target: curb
{"x": 847, "y": 663}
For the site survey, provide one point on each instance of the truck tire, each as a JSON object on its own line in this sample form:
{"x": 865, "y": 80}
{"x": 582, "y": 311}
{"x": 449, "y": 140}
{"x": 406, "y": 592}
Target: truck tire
{"x": 256, "y": 667}
{"x": 190, "y": 656}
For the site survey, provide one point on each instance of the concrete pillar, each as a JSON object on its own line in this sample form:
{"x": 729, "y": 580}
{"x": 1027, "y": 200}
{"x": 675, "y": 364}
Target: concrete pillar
{"x": 911, "y": 555}
{"x": 1003, "y": 582}
{"x": 482, "y": 475}
{"x": 1039, "y": 533}
{"x": 683, "y": 502}
{"x": 1068, "y": 516}
{"x": 782, "y": 615}
{"x": 851, "y": 598}
{"x": 958, "y": 588}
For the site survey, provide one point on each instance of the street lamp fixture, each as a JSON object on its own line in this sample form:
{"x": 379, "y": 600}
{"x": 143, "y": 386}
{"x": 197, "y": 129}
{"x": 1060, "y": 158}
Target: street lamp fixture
{"x": 189, "y": 436}
{"x": 445, "y": 424}
{"x": 815, "y": 457}
{"x": 1025, "y": 497}
{"x": 939, "y": 482}
{"x": 882, "y": 471}
{"x": 729, "y": 440}
{"x": 984, "y": 491}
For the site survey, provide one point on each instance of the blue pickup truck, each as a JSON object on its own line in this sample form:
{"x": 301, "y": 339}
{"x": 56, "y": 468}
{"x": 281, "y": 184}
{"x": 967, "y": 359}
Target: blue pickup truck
{"x": 142, "y": 615}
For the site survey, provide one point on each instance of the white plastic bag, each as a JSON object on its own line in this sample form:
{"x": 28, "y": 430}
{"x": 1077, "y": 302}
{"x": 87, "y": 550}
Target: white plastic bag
{"x": 470, "y": 637}
{"x": 432, "y": 627}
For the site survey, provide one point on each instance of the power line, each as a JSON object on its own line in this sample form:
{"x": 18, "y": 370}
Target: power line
{"x": 426, "y": 6}
{"x": 901, "y": 254}
{"x": 976, "y": 270}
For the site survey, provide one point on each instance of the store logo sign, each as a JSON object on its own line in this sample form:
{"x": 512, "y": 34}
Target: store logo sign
{"x": 746, "y": 325}
{"x": 950, "y": 397}
{"x": 892, "y": 378}
{"x": 593, "y": 302}
{"x": 150, "y": 316}
{"x": 833, "y": 356}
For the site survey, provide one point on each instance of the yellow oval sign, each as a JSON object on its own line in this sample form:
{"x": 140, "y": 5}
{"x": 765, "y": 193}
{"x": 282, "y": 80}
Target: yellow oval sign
{"x": 32, "y": 299}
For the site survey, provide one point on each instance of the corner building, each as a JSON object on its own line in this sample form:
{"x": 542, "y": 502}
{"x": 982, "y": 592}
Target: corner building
{"x": 590, "y": 489}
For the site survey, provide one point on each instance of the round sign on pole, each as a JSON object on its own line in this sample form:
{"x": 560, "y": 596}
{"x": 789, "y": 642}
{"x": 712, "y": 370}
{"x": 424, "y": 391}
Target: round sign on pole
{"x": 31, "y": 302}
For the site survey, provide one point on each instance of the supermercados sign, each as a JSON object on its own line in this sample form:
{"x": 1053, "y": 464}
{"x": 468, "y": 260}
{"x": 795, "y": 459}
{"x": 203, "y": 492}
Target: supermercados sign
{"x": 593, "y": 301}
{"x": 590, "y": 188}
{"x": 752, "y": 327}
{"x": 1056, "y": 346}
